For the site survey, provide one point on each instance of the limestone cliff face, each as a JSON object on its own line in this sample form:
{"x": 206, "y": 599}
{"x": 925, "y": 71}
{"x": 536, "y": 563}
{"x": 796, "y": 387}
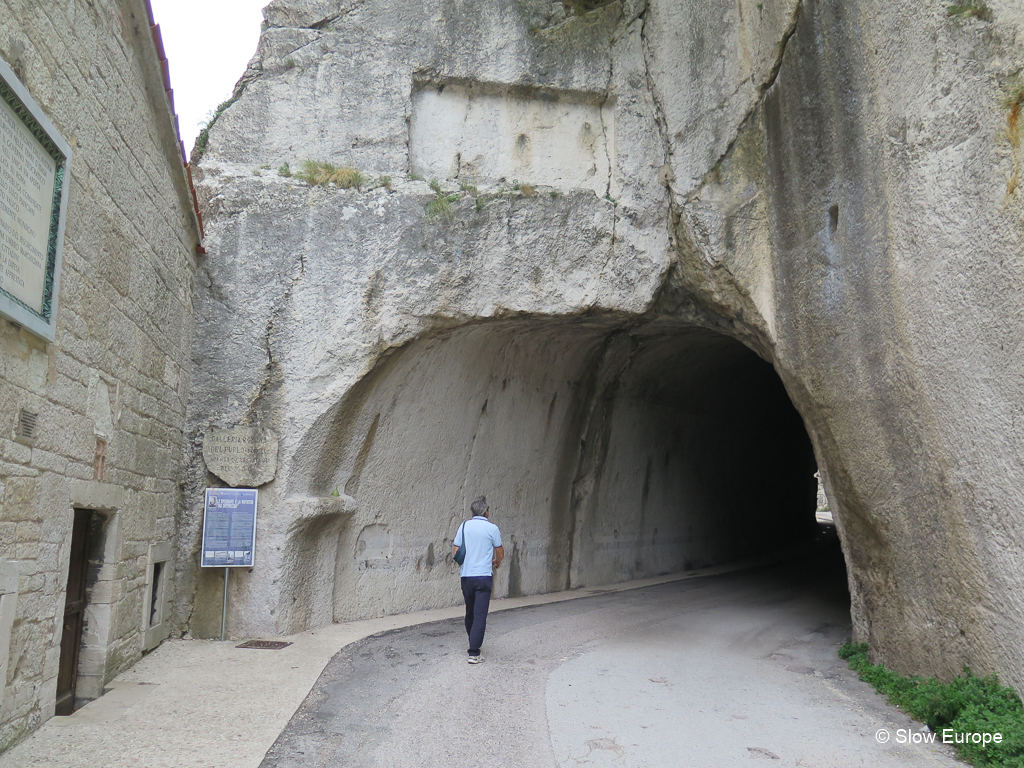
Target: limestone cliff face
{"x": 628, "y": 200}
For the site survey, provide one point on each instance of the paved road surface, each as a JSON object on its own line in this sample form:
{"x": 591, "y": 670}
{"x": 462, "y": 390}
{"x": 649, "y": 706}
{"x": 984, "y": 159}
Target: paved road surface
{"x": 735, "y": 670}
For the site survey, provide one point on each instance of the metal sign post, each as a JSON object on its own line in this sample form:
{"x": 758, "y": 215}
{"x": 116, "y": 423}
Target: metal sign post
{"x": 229, "y": 535}
{"x": 224, "y": 607}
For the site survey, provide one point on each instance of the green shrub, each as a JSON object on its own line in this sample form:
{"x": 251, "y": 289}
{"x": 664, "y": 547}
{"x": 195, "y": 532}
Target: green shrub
{"x": 968, "y": 704}
{"x": 284, "y": 170}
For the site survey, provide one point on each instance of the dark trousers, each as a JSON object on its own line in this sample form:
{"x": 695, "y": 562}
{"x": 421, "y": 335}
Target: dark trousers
{"x": 477, "y": 591}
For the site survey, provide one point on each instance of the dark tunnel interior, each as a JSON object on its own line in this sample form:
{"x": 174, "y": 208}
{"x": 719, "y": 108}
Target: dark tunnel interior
{"x": 608, "y": 451}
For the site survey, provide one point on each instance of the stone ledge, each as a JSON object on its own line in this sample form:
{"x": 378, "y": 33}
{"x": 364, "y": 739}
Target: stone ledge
{"x": 95, "y": 495}
{"x": 306, "y": 508}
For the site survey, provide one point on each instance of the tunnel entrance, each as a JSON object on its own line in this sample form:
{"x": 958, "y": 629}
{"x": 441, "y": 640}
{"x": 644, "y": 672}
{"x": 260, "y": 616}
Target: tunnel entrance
{"x": 608, "y": 450}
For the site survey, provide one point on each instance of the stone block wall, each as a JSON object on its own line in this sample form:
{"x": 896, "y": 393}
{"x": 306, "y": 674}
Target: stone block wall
{"x": 110, "y": 392}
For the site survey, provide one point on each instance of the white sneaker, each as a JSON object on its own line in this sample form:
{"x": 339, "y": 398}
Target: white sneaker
{"x": 475, "y": 659}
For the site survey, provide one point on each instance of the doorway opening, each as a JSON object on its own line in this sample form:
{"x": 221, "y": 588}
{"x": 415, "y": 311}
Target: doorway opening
{"x": 75, "y": 603}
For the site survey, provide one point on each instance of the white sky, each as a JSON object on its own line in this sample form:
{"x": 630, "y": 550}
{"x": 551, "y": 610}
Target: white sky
{"x": 208, "y": 43}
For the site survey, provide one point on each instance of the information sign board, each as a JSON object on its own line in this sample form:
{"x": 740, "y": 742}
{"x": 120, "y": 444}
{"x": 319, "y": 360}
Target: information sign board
{"x": 229, "y": 528}
{"x": 34, "y": 160}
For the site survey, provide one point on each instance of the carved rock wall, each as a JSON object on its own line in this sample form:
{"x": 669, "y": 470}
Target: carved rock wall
{"x": 827, "y": 185}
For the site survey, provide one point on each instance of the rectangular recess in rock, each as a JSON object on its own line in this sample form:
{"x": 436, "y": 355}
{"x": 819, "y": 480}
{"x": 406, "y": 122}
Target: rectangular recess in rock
{"x": 480, "y": 132}
{"x": 155, "y": 628}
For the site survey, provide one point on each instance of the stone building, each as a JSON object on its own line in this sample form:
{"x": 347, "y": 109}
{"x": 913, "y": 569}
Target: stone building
{"x": 91, "y": 419}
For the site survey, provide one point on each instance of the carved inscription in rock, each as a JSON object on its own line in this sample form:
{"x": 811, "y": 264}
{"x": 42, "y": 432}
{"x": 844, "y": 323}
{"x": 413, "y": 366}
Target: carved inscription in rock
{"x": 241, "y": 456}
{"x": 480, "y": 131}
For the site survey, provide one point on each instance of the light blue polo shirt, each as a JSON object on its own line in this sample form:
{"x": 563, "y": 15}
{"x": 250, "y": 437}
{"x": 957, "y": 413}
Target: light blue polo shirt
{"x": 481, "y": 536}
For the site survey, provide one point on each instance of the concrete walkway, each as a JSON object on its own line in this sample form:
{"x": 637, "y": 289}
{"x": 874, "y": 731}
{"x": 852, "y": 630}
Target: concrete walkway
{"x": 708, "y": 673}
{"x": 212, "y": 705}
{"x": 208, "y": 704}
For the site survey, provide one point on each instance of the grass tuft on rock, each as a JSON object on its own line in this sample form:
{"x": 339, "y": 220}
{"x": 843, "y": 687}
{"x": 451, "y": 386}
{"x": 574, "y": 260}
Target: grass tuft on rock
{"x": 970, "y": 8}
{"x": 441, "y": 205}
{"x": 321, "y": 174}
{"x": 966, "y": 705}
{"x": 1013, "y": 93}
{"x": 582, "y": 7}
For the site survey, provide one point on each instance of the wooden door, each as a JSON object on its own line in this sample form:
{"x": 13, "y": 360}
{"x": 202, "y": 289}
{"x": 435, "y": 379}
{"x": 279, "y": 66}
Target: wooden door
{"x": 74, "y": 613}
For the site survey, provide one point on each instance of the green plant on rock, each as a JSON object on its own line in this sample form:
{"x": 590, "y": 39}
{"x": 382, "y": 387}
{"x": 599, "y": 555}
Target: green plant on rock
{"x": 289, "y": 63}
{"x": 580, "y": 7}
{"x": 1013, "y": 93}
{"x": 321, "y": 174}
{"x": 966, "y": 705}
{"x": 441, "y": 205}
{"x": 975, "y": 8}
{"x": 284, "y": 170}
{"x": 204, "y": 134}
{"x": 385, "y": 181}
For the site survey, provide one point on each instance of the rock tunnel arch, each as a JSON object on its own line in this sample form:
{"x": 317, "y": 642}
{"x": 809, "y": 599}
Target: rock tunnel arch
{"x": 609, "y": 448}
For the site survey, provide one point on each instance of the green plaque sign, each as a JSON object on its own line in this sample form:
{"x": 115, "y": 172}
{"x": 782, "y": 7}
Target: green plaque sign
{"x": 33, "y": 205}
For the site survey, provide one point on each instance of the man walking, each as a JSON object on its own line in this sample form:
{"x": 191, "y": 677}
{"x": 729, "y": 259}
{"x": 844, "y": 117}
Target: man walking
{"x": 484, "y": 553}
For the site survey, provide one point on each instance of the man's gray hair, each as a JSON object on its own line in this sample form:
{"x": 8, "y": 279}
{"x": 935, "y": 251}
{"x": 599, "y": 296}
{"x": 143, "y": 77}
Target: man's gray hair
{"x": 479, "y": 506}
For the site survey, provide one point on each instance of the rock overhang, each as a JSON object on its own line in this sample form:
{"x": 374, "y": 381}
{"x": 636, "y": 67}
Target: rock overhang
{"x": 754, "y": 214}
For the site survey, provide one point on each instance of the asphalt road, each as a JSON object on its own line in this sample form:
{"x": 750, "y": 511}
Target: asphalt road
{"x": 709, "y": 673}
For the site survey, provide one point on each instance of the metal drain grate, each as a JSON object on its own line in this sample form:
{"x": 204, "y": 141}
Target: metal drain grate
{"x": 27, "y": 424}
{"x": 267, "y": 645}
